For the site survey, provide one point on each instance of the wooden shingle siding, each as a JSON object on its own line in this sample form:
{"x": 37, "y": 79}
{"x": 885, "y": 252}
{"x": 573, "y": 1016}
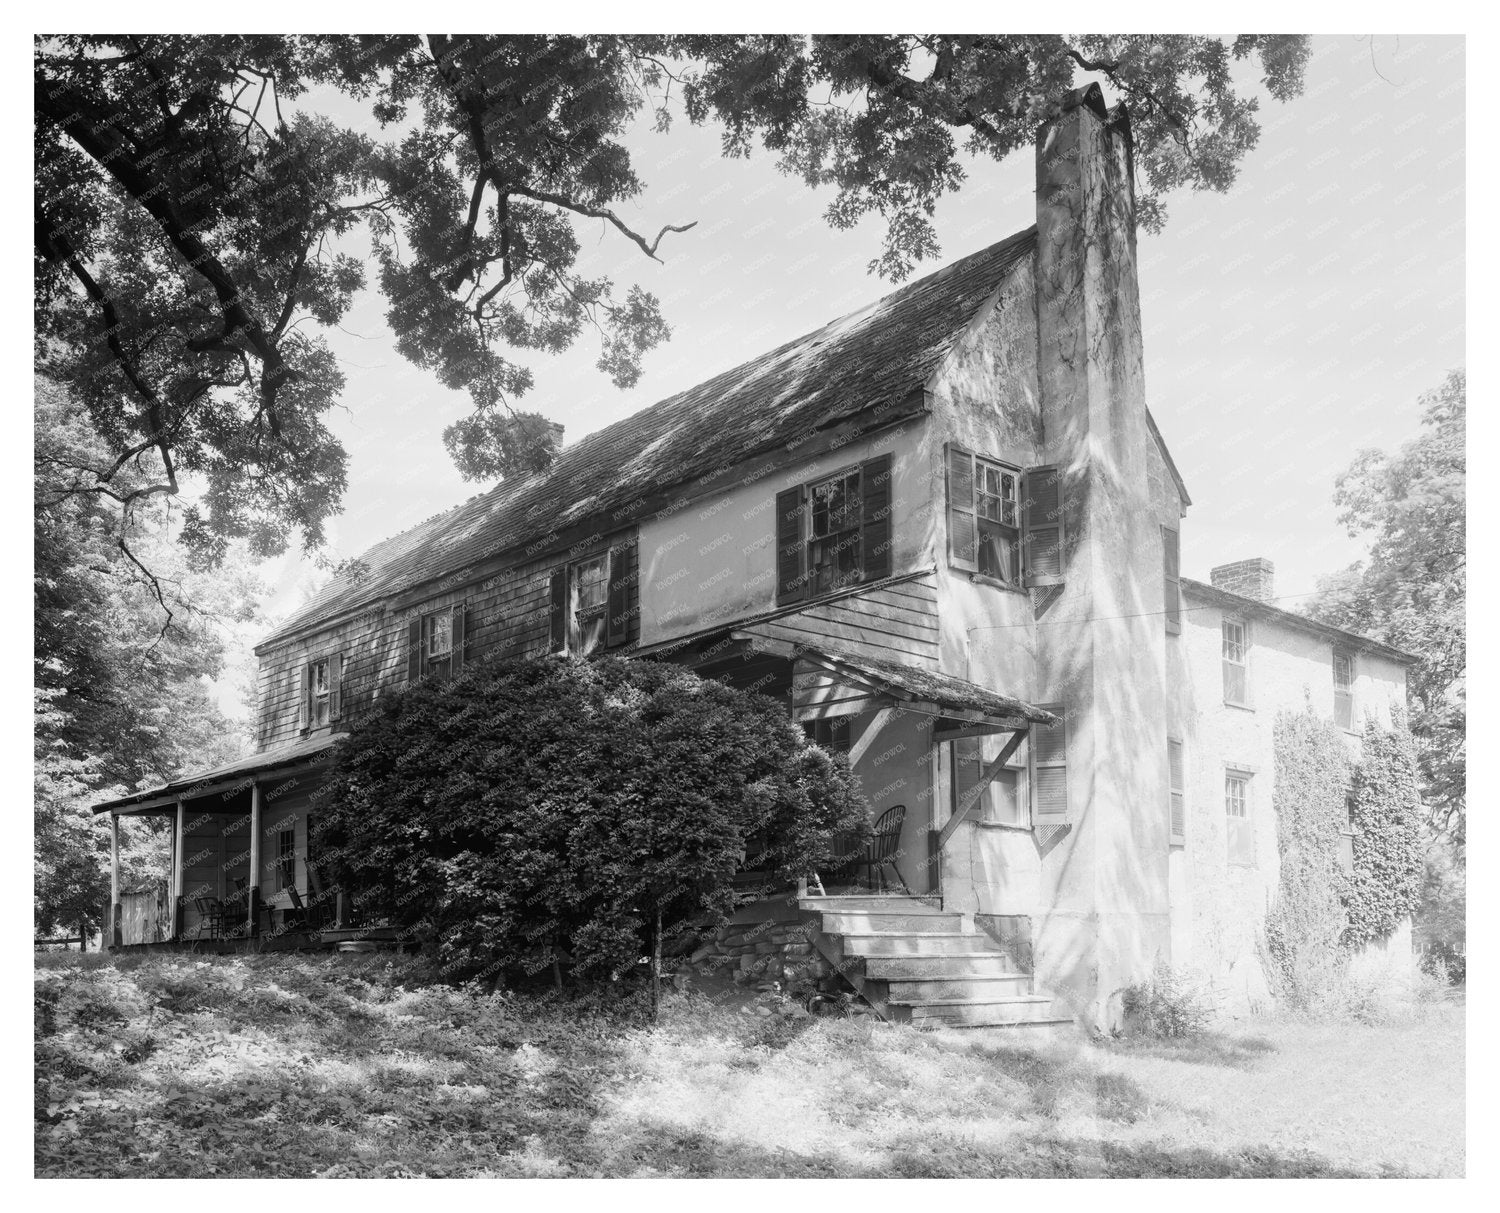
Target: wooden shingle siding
{"x": 505, "y": 617}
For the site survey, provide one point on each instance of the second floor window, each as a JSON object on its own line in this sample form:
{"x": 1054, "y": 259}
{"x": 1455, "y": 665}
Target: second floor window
{"x": 319, "y": 691}
{"x": 1236, "y": 650}
{"x": 1004, "y": 524}
{"x": 437, "y": 643}
{"x": 590, "y": 592}
{"x": 322, "y": 681}
{"x": 834, "y": 532}
{"x": 997, "y": 517}
{"x": 1343, "y": 689}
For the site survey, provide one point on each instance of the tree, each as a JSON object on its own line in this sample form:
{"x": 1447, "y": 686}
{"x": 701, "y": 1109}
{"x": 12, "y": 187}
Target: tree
{"x": 1410, "y": 591}
{"x": 193, "y": 229}
{"x": 122, "y": 699}
{"x": 1386, "y": 886}
{"x": 557, "y": 811}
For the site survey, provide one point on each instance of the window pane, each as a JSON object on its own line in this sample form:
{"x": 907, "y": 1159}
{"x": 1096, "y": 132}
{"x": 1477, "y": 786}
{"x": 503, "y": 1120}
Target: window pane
{"x": 439, "y": 634}
{"x": 1235, "y": 683}
{"x": 1234, "y": 641}
{"x": 999, "y": 551}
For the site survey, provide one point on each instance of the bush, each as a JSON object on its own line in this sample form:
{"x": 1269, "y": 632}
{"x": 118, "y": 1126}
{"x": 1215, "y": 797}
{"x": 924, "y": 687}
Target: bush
{"x": 1306, "y": 925}
{"x": 1168, "y": 1005}
{"x": 1440, "y": 929}
{"x": 555, "y": 812}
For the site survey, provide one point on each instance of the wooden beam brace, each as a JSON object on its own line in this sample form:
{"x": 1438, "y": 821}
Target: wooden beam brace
{"x": 252, "y": 894}
{"x": 114, "y": 879}
{"x": 872, "y": 730}
{"x": 971, "y": 797}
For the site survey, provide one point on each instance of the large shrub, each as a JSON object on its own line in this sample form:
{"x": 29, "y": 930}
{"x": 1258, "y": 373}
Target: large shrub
{"x": 1306, "y": 923}
{"x": 1387, "y": 885}
{"x": 1441, "y": 929}
{"x": 557, "y": 812}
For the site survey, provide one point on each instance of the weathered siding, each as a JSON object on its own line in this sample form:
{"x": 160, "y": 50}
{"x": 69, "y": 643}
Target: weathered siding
{"x": 892, "y": 623}
{"x": 505, "y": 616}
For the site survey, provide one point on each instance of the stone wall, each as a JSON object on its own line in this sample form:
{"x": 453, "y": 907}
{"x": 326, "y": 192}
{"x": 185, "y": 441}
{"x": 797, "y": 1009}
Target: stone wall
{"x": 760, "y": 953}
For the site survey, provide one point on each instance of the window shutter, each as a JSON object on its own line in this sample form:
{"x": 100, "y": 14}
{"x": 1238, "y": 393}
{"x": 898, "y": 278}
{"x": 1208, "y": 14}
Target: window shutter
{"x": 335, "y": 686}
{"x": 875, "y": 531}
{"x": 457, "y": 660}
{"x": 558, "y": 611}
{"x": 1043, "y": 518}
{"x": 963, "y": 531}
{"x": 1177, "y": 809}
{"x": 1049, "y": 762}
{"x": 1171, "y": 585}
{"x": 414, "y": 650}
{"x": 622, "y": 583}
{"x": 791, "y": 584}
{"x": 304, "y": 694}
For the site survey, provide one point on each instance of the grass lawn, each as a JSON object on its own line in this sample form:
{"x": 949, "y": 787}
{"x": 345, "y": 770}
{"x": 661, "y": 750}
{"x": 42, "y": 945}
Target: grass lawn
{"x": 350, "y": 1066}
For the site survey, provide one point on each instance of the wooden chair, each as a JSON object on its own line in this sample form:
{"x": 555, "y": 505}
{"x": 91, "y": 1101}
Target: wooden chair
{"x": 210, "y": 915}
{"x": 296, "y": 917}
{"x": 880, "y": 851}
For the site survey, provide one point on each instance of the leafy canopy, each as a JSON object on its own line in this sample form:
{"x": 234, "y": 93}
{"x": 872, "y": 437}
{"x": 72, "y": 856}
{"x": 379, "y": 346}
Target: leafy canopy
{"x": 1411, "y": 590}
{"x": 554, "y": 810}
{"x": 194, "y": 212}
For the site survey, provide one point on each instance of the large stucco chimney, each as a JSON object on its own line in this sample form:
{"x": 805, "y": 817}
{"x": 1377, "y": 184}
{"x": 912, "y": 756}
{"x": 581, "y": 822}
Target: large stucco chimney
{"x": 1253, "y": 578}
{"x": 1101, "y": 652}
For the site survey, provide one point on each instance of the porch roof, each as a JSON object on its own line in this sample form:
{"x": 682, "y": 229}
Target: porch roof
{"x": 200, "y": 783}
{"x": 914, "y": 684}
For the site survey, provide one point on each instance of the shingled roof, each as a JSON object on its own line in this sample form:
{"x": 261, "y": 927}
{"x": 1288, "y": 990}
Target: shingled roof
{"x": 875, "y": 358}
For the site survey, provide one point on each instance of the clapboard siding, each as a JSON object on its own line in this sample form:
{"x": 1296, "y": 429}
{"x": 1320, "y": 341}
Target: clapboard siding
{"x": 505, "y": 617}
{"x": 893, "y": 623}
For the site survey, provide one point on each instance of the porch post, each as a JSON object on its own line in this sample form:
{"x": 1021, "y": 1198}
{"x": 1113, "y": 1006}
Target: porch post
{"x": 114, "y": 879}
{"x": 179, "y": 830}
{"x": 252, "y": 903}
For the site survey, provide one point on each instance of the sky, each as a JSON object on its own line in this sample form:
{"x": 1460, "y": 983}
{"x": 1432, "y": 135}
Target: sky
{"x": 1288, "y": 323}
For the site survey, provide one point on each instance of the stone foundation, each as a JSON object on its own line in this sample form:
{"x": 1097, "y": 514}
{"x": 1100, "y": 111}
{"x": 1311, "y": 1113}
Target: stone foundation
{"x": 763, "y": 952}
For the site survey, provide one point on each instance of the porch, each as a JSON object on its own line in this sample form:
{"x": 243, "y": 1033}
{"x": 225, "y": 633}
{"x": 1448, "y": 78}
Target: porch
{"x": 243, "y": 869}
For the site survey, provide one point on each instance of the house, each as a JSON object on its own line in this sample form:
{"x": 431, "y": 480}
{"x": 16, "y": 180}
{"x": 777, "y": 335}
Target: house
{"x": 944, "y": 530}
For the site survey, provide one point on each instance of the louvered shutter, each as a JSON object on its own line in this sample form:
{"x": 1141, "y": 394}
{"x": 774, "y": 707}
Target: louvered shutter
{"x": 335, "y": 686}
{"x": 622, "y": 583}
{"x": 963, "y": 531}
{"x": 414, "y": 650}
{"x": 1177, "y": 808}
{"x": 875, "y": 518}
{"x": 557, "y": 612}
{"x": 791, "y": 583}
{"x": 1049, "y": 769}
{"x": 1043, "y": 517}
{"x": 458, "y": 637}
{"x": 1171, "y": 584}
{"x": 304, "y": 696}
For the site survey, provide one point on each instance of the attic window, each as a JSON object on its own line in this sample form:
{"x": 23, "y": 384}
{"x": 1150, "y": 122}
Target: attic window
{"x": 590, "y": 588}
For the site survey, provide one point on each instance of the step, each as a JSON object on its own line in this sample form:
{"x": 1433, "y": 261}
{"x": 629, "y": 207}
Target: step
{"x": 838, "y": 903}
{"x": 935, "y": 990}
{"x": 920, "y": 968}
{"x": 874, "y": 922}
{"x": 926, "y": 943}
{"x": 981, "y": 1012}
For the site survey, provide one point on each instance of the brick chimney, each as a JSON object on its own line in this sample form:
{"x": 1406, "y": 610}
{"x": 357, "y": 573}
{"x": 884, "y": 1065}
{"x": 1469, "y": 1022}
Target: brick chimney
{"x": 1253, "y": 578}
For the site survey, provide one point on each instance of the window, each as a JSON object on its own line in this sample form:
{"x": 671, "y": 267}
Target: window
{"x": 1004, "y": 524}
{"x": 286, "y": 858}
{"x": 1049, "y": 768}
{"x": 437, "y": 643}
{"x": 996, "y": 501}
{"x": 1236, "y": 663}
{"x": 832, "y": 733}
{"x": 1343, "y": 689}
{"x": 1241, "y": 838}
{"x": 1176, "y": 794}
{"x": 594, "y": 602}
{"x": 834, "y": 532}
{"x": 318, "y": 704}
{"x": 1171, "y": 584}
{"x": 1003, "y": 801}
{"x": 589, "y": 585}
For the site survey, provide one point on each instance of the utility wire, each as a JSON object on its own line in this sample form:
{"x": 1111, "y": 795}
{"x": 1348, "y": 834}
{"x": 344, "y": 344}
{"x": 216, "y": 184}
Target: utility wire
{"x": 1000, "y": 627}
